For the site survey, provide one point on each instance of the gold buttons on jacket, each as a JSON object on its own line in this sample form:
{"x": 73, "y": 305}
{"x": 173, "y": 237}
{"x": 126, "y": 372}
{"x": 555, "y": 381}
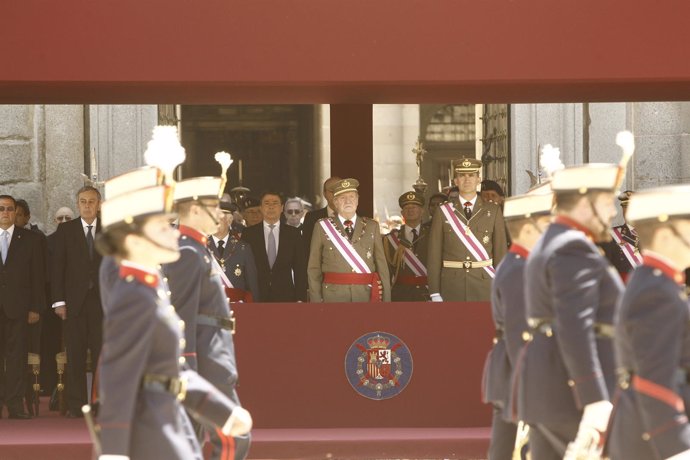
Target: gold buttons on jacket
{"x": 182, "y": 360}
{"x": 571, "y": 383}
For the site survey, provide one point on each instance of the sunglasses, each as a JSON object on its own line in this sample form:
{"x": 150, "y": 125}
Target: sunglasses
{"x": 7, "y": 208}
{"x": 293, "y": 212}
{"x": 63, "y": 218}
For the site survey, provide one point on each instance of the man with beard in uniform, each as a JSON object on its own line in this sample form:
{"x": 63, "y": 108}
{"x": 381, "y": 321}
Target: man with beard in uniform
{"x": 527, "y": 218}
{"x": 406, "y": 251}
{"x": 346, "y": 259}
{"x": 566, "y": 374}
{"x": 623, "y": 251}
{"x": 650, "y": 420}
{"x": 199, "y": 298}
{"x": 467, "y": 240}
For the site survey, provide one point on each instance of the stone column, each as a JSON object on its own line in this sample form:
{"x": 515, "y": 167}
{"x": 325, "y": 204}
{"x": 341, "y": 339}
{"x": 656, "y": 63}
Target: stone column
{"x": 534, "y": 125}
{"x": 119, "y": 134}
{"x": 396, "y": 128}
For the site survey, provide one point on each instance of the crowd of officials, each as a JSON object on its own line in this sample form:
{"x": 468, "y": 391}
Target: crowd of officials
{"x": 556, "y": 300}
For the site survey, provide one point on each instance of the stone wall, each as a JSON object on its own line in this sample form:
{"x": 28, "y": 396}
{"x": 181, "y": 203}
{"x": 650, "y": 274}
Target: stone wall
{"x": 41, "y": 153}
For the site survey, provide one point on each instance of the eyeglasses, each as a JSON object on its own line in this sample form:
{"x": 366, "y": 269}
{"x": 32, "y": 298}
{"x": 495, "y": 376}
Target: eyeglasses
{"x": 293, "y": 212}
{"x": 7, "y": 208}
{"x": 63, "y": 218}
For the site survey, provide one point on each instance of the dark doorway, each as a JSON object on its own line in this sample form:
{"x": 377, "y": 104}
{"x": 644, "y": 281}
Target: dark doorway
{"x": 272, "y": 145}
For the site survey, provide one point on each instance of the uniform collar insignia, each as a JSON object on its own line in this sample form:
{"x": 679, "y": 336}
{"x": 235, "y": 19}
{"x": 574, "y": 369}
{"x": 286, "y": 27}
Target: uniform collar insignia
{"x": 193, "y": 234}
{"x": 519, "y": 250}
{"x": 568, "y": 222}
{"x": 131, "y": 272}
{"x": 671, "y": 272}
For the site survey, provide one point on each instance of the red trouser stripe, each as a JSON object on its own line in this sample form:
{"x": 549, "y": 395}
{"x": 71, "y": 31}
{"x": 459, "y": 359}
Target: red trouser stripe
{"x": 658, "y": 392}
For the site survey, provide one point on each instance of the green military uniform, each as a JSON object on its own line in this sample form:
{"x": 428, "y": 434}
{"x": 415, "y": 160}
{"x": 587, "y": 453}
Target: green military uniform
{"x": 325, "y": 259}
{"x": 464, "y": 284}
{"x": 406, "y": 284}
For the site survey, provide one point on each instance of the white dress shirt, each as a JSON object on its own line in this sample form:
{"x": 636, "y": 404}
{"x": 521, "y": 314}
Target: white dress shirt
{"x": 93, "y": 227}
{"x": 463, "y": 201}
{"x": 224, "y": 240}
{"x": 408, "y": 232}
{"x": 353, "y": 220}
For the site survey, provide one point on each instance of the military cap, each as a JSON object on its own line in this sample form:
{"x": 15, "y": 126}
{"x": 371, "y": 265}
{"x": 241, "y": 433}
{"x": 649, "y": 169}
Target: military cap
{"x": 345, "y": 185}
{"x": 490, "y": 185}
{"x": 537, "y": 202}
{"x": 147, "y": 176}
{"x": 624, "y": 197}
{"x": 659, "y": 204}
{"x": 411, "y": 197}
{"x": 128, "y": 206}
{"x": 467, "y": 165}
{"x": 250, "y": 202}
{"x": 197, "y": 188}
{"x": 591, "y": 177}
{"x": 227, "y": 207}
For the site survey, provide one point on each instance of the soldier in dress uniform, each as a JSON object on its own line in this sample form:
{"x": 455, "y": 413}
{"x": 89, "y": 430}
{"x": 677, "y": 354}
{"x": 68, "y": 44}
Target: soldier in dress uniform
{"x": 527, "y": 218}
{"x": 235, "y": 259}
{"x": 199, "y": 297}
{"x": 467, "y": 240}
{"x": 567, "y": 373}
{"x": 623, "y": 251}
{"x": 406, "y": 251}
{"x": 346, "y": 258}
{"x": 144, "y": 382}
{"x": 650, "y": 420}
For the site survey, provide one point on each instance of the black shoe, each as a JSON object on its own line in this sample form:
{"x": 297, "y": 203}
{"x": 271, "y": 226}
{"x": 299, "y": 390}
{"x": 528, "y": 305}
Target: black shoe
{"x": 74, "y": 414}
{"x": 19, "y": 416}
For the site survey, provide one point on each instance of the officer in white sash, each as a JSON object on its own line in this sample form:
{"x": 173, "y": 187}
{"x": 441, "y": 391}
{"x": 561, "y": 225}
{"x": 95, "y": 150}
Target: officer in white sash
{"x": 466, "y": 242}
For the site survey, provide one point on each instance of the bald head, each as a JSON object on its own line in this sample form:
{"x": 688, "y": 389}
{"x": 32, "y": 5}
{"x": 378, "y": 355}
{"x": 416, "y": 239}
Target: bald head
{"x": 63, "y": 215}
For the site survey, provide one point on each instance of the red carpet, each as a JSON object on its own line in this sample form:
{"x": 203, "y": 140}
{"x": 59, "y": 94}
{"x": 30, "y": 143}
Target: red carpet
{"x": 52, "y": 437}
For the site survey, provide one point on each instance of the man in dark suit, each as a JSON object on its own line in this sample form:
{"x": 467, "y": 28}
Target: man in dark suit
{"x": 278, "y": 253}
{"x": 22, "y": 299}
{"x": 235, "y": 258}
{"x": 76, "y": 295}
{"x": 312, "y": 217}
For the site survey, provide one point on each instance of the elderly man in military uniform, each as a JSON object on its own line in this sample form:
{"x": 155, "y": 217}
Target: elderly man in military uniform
{"x": 199, "y": 297}
{"x": 346, "y": 258}
{"x": 566, "y": 376}
{"x": 467, "y": 240}
{"x": 406, "y": 251}
{"x": 235, "y": 259}
{"x": 652, "y": 338}
{"x": 623, "y": 251}
{"x": 527, "y": 218}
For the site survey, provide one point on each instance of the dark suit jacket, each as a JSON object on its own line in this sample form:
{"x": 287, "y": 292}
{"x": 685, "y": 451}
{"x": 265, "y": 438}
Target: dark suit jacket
{"x": 72, "y": 271}
{"x": 22, "y": 276}
{"x": 276, "y": 285}
{"x": 310, "y": 219}
{"x": 239, "y": 265}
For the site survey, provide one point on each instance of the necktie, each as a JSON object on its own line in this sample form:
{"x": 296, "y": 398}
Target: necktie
{"x": 468, "y": 210}
{"x": 414, "y": 235}
{"x": 348, "y": 229}
{"x": 89, "y": 240}
{"x": 271, "y": 252}
{"x": 4, "y": 244}
{"x": 220, "y": 250}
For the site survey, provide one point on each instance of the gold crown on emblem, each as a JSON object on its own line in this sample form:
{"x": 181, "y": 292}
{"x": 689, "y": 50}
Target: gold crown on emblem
{"x": 466, "y": 164}
{"x": 378, "y": 342}
{"x": 410, "y": 196}
{"x": 345, "y": 183}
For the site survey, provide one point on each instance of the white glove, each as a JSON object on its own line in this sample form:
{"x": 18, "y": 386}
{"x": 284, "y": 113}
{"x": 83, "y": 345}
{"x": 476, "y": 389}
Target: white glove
{"x": 239, "y": 423}
{"x": 685, "y": 455}
{"x": 593, "y": 424}
{"x": 436, "y": 298}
